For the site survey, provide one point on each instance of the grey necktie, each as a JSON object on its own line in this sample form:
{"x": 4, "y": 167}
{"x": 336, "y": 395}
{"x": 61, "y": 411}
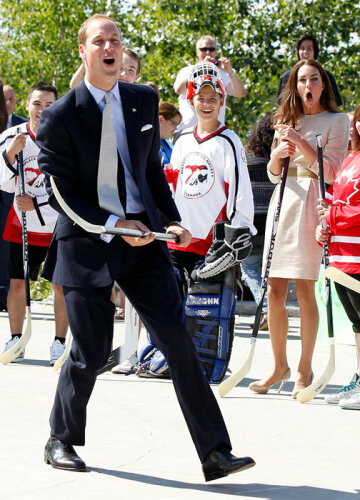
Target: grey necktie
{"x": 107, "y": 181}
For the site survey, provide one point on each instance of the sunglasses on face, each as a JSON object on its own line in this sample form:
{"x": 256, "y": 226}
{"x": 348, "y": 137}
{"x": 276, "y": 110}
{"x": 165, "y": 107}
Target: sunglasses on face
{"x": 206, "y": 49}
{"x": 175, "y": 123}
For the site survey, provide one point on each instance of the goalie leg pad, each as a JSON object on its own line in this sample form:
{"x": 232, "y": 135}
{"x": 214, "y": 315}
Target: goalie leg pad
{"x": 152, "y": 362}
{"x": 145, "y": 350}
{"x": 210, "y": 314}
{"x": 158, "y": 364}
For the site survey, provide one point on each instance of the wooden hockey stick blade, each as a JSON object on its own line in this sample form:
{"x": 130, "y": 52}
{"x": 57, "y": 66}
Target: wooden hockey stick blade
{"x": 111, "y": 362}
{"x": 319, "y": 385}
{"x": 17, "y": 348}
{"x": 93, "y": 228}
{"x": 60, "y": 361}
{"x": 344, "y": 279}
{"x": 232, "y": 381}
{"x": 237, "y": 377}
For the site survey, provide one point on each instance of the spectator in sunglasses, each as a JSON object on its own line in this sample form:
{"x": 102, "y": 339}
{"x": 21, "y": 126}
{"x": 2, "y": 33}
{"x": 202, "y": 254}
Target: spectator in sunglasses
{"x": 206, "y": 50}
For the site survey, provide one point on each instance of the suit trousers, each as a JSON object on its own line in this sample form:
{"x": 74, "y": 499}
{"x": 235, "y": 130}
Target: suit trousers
{"x": 148, "y": 280}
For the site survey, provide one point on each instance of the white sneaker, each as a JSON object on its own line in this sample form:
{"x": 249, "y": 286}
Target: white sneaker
{"x": 352, "y": 403}
{"x": 12, "y": 342}
{"x": 56, "y": 350}
{"x": 127, "y": 365}
{"x": 345, "y": 392}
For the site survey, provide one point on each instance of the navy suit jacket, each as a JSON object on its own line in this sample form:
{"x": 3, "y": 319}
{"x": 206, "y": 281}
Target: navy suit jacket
{"x": 69, "y": 137}
{"x": 16, "y": 120}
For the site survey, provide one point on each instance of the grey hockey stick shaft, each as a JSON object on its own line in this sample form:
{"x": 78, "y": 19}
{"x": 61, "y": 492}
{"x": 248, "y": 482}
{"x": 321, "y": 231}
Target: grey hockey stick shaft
{"x": 316, "y": 387}
{"x": 24, "y": 231}
{"x": 237, "y": 377}
{"x": 326, "y": 246}
{"x": 19, "y": 346}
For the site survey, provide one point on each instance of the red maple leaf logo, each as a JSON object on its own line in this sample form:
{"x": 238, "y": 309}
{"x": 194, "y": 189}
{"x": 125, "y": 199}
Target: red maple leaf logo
{"x": 346, "y": 186}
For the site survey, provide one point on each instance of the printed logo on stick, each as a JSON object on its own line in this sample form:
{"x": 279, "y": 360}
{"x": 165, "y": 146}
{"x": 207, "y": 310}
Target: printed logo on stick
{"x": 197, "y": 175}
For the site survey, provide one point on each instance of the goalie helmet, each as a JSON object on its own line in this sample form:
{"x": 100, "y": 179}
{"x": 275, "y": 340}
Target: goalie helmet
{"x": 204, "y": 73}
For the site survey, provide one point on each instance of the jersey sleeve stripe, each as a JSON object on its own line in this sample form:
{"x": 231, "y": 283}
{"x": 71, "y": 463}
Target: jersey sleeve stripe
{"x": 8, "y": 164}
{"x": 236, "y": 173}
{"x": 37, "y": 209}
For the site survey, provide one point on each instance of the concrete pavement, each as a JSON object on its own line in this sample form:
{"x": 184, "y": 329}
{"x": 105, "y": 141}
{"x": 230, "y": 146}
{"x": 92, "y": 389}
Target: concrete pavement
{"x": 138, "y": 445}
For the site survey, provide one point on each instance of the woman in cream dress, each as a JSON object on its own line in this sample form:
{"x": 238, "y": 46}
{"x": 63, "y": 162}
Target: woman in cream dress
{"x": 308, "y": 108}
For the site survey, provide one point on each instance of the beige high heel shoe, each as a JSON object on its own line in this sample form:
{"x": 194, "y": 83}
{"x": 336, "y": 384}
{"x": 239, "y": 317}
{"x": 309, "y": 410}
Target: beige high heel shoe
{"x": 299, "y": 386}
{"x": 263, "y": 389}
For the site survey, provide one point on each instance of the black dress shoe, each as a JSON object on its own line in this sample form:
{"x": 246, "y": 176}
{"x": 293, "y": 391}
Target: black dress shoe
{"x": 62, "y": 456}
{"x": 3, "y": 306}
{"x": 221, "y": 463}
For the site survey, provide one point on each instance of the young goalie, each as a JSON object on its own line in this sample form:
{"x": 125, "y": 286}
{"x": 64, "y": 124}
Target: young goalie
{"x": 212, "y": 191}
{"x": 210, "y": 179}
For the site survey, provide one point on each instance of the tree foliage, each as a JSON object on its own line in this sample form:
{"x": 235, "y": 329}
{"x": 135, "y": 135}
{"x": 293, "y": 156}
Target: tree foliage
{"x": 258, "y": 37}
{"x": 39, "y": 42}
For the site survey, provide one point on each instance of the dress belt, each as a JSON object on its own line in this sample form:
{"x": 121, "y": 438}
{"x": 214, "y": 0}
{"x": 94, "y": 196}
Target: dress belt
{"x": 301, "y": 172}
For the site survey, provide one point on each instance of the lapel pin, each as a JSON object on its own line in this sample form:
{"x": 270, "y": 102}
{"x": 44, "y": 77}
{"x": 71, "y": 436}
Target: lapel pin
{"x": 134, "y": 110}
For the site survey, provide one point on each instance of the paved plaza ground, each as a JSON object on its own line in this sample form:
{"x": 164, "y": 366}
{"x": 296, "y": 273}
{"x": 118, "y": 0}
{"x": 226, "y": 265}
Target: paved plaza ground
{"x": 138, "y": 445}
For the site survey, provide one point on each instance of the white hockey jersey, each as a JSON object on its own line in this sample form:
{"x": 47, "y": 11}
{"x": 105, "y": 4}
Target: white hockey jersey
{"x": 211, "y": 183}
{"x": 41, "y": 221}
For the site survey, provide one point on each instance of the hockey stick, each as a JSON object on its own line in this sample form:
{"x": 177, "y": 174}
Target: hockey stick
{"x": 129, "y": 347}
{"x": 17, "y": 348}
{"x": 344, "y": 279}
{"x": 93, "y": 228}
{"x": 316, "y": 387}
{"x": 111, "y": 362}
{"x": 60, "y": 361}
{"x": 232, "y": 381}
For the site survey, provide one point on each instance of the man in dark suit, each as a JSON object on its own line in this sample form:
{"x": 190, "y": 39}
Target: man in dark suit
{"x": 6, "y": 200}
{"x": 11, "y": 100}
{"x": 71, "y": 142}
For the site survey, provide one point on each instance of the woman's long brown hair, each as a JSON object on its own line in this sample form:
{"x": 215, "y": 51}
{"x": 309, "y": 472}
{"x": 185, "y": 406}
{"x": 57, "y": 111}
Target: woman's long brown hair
{"x": 291, "y": 107}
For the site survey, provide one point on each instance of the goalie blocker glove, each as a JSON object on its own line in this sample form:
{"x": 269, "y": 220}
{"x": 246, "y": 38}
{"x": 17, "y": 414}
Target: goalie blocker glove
{"x": 218, "y": 239}
{"x": 230, "y": 246}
